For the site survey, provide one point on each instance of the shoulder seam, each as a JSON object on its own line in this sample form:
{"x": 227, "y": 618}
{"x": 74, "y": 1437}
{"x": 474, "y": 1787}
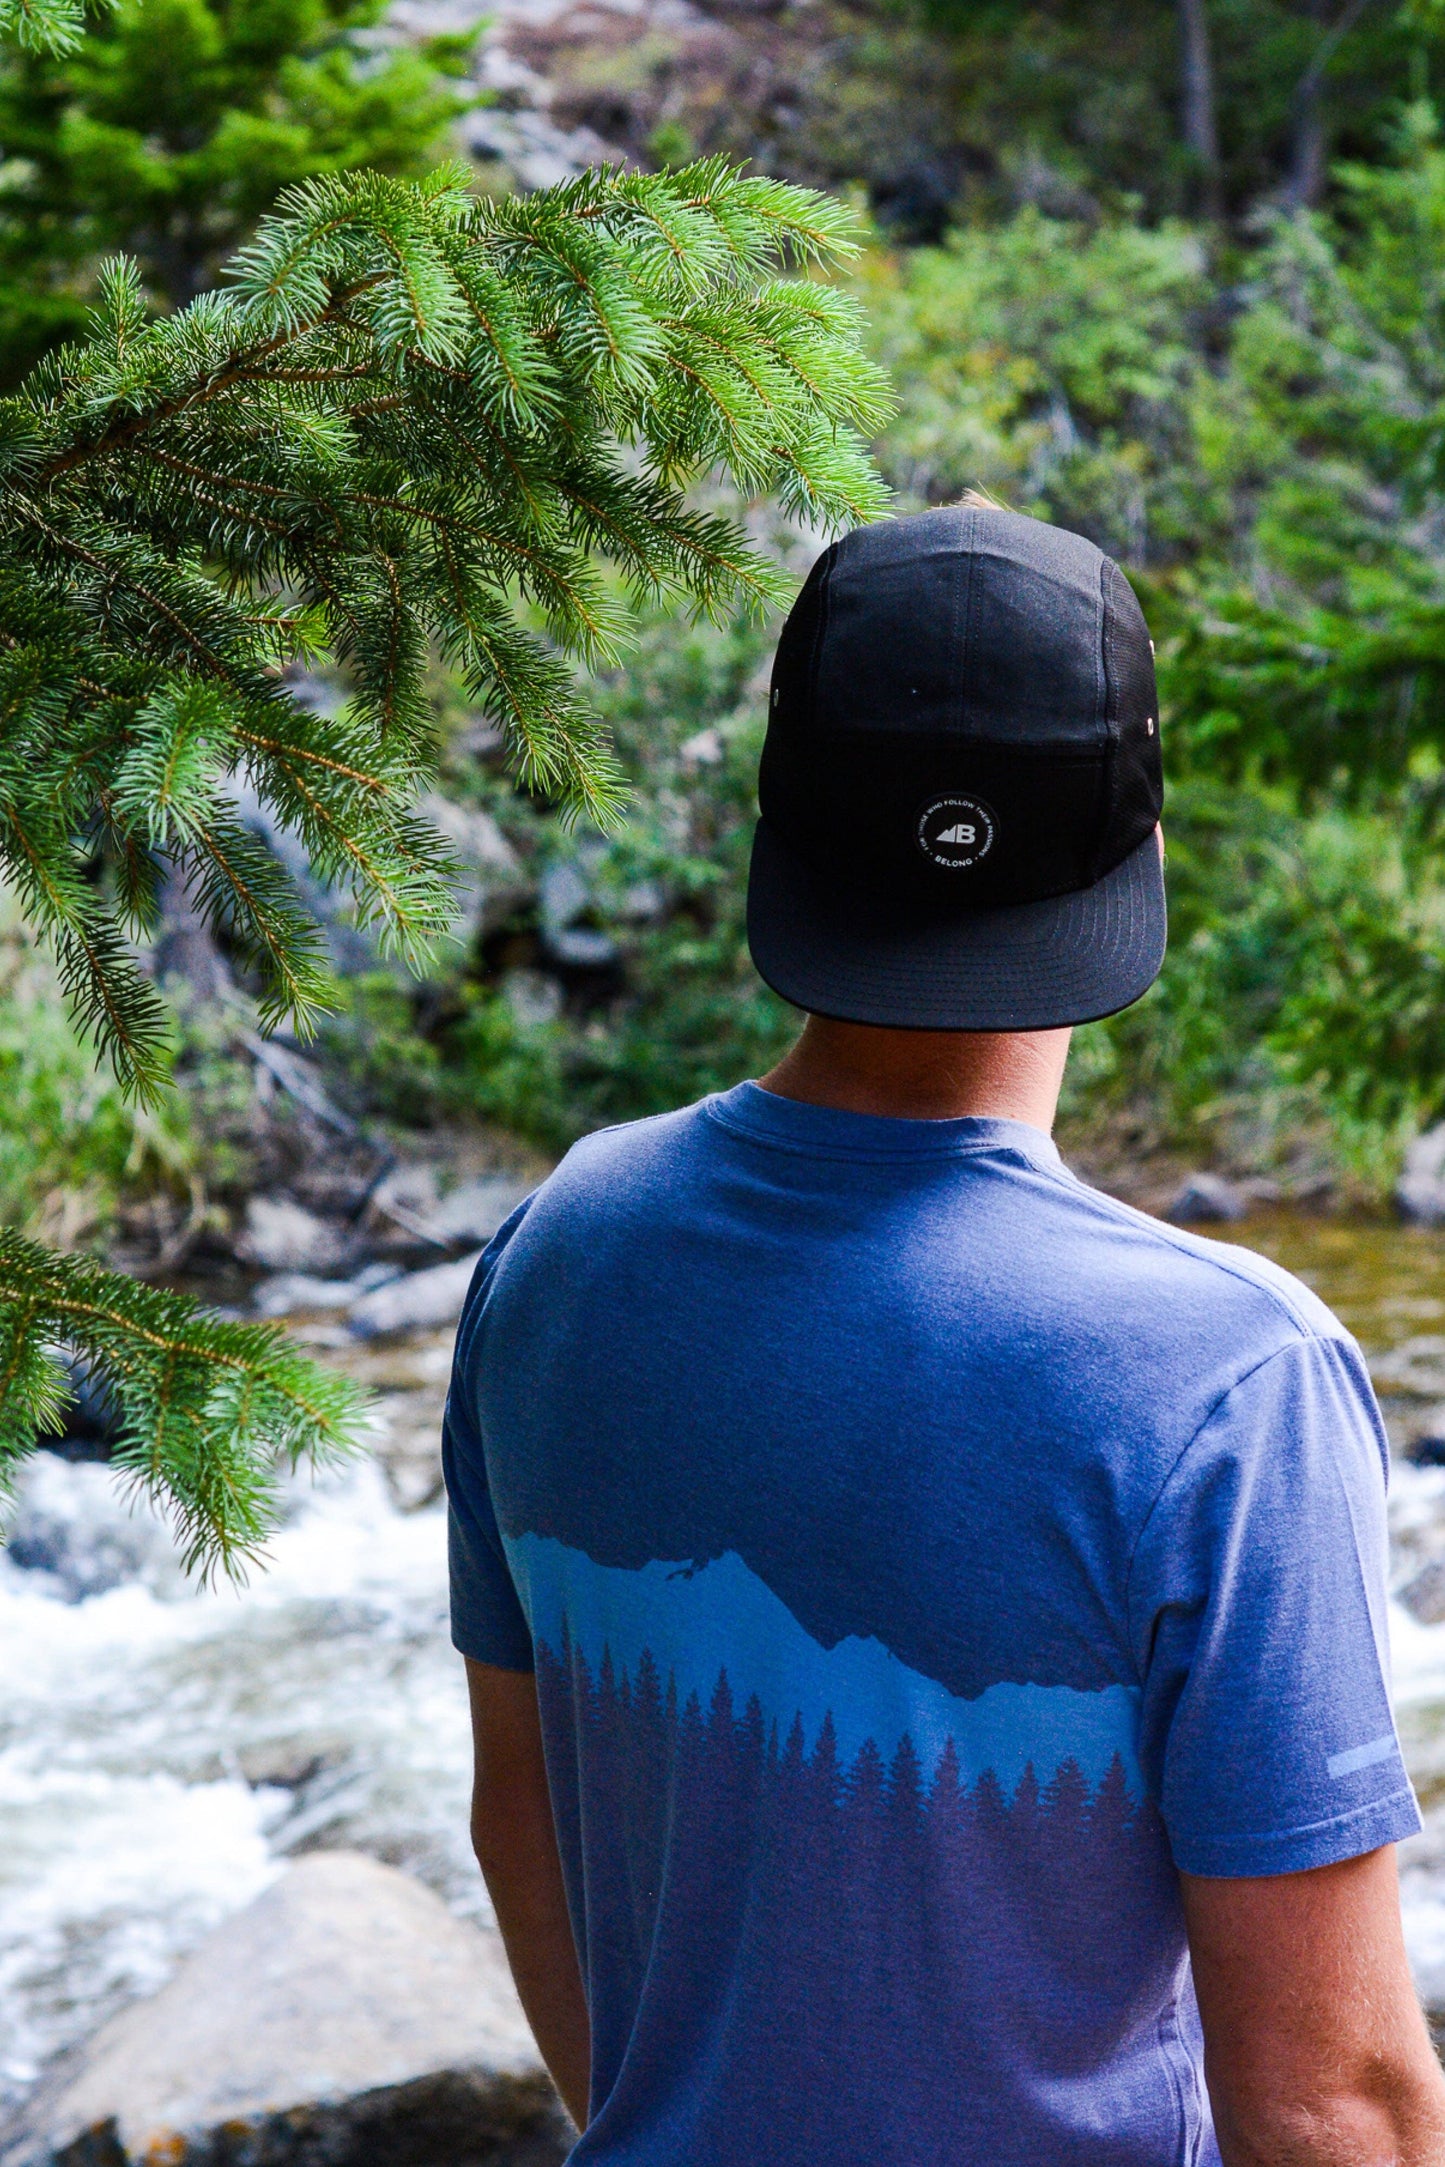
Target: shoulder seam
{"x": 1305, "y": 1338}
{"x": 1169, "y": 1237}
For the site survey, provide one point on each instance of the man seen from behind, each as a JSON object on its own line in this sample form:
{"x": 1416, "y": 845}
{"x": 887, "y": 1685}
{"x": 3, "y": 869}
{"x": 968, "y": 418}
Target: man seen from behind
{"x": 925, "y": 1620}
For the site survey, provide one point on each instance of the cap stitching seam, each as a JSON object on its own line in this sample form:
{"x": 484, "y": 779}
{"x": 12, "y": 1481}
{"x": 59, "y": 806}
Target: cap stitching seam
{"x": 961, "y": 658}
{"x": 815, "y": 660}
{"x": 1108, "y": 659}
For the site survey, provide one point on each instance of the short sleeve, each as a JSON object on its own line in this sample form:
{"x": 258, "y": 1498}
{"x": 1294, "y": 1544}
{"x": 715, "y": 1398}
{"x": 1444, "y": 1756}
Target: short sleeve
{"x": 1257, "y": 1611}
{"x": 488, "y": 1623}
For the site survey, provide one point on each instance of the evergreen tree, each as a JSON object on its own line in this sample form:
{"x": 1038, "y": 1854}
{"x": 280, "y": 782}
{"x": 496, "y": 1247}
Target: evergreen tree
{"x": 410, "y": 421}
{"x": 168, "y": 132}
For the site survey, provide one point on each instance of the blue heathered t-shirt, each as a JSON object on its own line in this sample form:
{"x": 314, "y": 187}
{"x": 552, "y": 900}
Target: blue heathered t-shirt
{"x": 921, "y": 1557}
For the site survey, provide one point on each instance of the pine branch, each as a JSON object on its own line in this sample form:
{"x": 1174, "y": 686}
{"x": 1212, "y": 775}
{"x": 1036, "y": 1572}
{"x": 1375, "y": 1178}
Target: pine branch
{"x": 411, "y": 422}
{"x": 42, "y": 26}
{"x": 209, "y": 1410}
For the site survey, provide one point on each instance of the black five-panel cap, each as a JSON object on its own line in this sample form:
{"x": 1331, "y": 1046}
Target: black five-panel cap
{"x": 960, "y": 782}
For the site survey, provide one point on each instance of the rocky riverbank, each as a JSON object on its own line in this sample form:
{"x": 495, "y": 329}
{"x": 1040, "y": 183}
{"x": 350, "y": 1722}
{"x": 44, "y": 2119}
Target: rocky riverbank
{"x": 343, "y": 2019}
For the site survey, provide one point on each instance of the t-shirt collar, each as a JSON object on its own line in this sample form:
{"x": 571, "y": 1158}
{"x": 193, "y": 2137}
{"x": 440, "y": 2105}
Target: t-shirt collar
{"x": 801, "y": 1126}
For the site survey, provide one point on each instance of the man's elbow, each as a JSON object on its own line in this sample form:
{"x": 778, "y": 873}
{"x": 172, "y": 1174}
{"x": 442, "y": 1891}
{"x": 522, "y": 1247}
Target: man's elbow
{"x": 1384, "y": 2114}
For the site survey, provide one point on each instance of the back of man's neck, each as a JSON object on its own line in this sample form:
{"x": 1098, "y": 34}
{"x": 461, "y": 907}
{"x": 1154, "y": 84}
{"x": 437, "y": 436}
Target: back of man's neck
{"x": 925, "y": 1075}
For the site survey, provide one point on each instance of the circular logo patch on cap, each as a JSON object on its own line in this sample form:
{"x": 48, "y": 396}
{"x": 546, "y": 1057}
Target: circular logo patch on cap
{"x": 955, "y": 831}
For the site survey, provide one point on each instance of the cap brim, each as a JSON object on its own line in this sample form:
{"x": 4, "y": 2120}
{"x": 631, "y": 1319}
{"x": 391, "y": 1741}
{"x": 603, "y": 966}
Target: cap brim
{"x": 1020, "y": 967}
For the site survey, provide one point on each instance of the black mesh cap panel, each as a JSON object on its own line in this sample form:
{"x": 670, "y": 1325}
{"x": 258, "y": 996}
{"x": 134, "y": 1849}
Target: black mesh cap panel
{"x": 1136, "y": 790}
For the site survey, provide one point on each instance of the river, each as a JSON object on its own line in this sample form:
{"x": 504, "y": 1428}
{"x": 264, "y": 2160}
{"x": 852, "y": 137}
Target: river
{"x": 163, "y": 1751}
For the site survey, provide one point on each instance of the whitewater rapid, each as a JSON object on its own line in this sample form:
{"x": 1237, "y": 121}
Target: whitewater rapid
{"x": 163, "y": 1751}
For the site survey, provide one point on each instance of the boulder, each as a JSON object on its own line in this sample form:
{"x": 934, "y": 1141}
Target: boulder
{"x": 534, "y": 997}
{"x": 564, "y": 899}
{"x": 409, "y": 1202}
{"x": 285, "y": 1292}
{"x": 1208, "y": 1199}
{"x": 1424, "y": 1595}
{"x": 473, "y": 1211}
{"x": 490, "y": 879}
{"x": 1420, "y": 1190}
{"x": 344, "y": 2019}
{"x": 283, "y": 1236}
{"x": 1426, "y": 1447}
{"x": 420, "y": 1301}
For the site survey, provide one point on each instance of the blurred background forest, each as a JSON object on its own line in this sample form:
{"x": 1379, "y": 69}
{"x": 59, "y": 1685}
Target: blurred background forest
{"x": 1169, "y": 272}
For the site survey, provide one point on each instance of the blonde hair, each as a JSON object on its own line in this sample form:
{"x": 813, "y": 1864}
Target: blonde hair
{"x": 980, "y": 500}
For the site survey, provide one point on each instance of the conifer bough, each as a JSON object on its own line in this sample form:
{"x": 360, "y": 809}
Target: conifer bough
{"x": 410, "y": 421}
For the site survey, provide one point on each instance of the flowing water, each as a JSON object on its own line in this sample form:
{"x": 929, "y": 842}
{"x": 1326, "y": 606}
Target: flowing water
{"x": 163, "y": 1751}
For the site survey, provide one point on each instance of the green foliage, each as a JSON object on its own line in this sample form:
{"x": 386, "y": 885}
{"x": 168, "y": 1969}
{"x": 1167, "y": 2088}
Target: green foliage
{"x": 72, "y": 1146}
{"x": 1310, "y": 641}
{"x": 982, "y": 106}
{"x": 687, "y": 715}
{"x": 1267, "y": 463}
{"x": 171, "y": 127}
{"x": 411, "y": 421}
{"x": 1270, "y": 474}
{"x": 1298, "y": 1025}
{"x": 1056, "y": 363}
{"x": 1300, "y": 1008}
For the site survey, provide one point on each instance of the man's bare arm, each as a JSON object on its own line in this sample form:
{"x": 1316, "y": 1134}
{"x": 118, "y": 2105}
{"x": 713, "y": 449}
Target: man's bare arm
{"x": 1315, "y": 2049}
{"x": 515, "y": 1841}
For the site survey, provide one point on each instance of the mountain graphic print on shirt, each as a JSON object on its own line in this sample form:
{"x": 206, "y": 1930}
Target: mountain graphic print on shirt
{"x": 922, "y": 1560}
{"x": 862, "y": 1844}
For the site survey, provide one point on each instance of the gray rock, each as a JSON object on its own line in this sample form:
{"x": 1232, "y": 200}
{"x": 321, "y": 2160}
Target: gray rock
{"x": 1412, "y": 1368}
{"x": 283, "y": 1236}
{"x": 409, "y": 1200}
{"x": 535, "y": 150}
{"x": 706, "y": 749}
{"x": 563, "y": 896}
{"x": 1424, "y": 1596}
{"x": 1420, "y": 1190}
{"x": 490, "y": 878}
{"x": 352, "y": 947}
{"x": 563, "y": 899}
{"x": 581, "y": 948}
{"x": 287, "y": 1292}
{"x": 404, "y": 1198}
{"x": 186, "y": 957}
{"x": 344, "y": 2019}
{"x": 534, "y": 997}
{"x": 419, "y": 1301}
{"x": 1208, "y": 1199}
{"x": 473, "y": 1211}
